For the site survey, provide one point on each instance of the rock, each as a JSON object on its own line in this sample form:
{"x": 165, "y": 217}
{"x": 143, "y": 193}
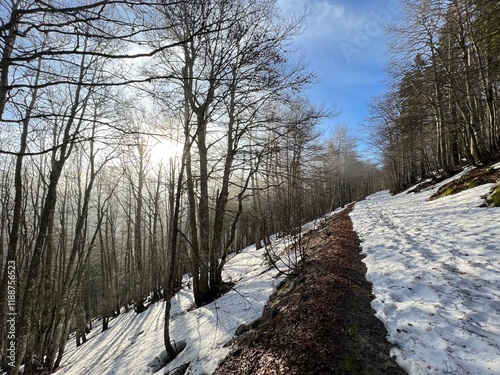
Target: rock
{"x": 493, "y": 198}
{"x": 179, "y": 370}
{"x": 164, "y": 356}
{"x": 257, "y": 323}
{"x": 161, "y": 361}
{"x": 179, "y": 346}
{"x": 154, "y": 362}
{"x": 229, "y": 343}
{"x": 242, "y": 329}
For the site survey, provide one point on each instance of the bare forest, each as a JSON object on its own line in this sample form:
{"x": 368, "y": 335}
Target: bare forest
{"x": 144, "y": 140}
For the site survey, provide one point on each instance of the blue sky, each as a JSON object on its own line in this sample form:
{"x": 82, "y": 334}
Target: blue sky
{"x": 345, "y": 43}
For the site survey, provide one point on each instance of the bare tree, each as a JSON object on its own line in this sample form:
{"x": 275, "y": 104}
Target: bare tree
{"x": 224, "y": 78}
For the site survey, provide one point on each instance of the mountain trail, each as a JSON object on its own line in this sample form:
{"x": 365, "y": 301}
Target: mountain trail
{"x": 320, "y": 320}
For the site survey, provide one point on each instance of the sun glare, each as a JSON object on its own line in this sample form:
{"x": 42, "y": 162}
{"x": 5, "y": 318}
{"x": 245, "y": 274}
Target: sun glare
{"x": 165, "y": 151}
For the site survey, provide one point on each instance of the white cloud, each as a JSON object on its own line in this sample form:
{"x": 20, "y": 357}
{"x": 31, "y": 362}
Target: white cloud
{"x": 326, "y": 11}
{"x": 340, "y": 20}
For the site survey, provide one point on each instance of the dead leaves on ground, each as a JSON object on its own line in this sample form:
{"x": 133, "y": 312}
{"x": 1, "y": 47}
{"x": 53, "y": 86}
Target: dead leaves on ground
{"x": 319, "y": 321}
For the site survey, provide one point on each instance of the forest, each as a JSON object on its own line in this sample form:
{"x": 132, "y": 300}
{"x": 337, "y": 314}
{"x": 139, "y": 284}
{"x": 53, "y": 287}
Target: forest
{"x": 144, "y": 140}
{"x": 441, "y": 110}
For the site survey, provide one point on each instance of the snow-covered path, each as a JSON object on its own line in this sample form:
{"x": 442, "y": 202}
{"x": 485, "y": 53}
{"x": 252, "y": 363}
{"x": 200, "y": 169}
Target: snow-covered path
{"x": 435, "y": 270}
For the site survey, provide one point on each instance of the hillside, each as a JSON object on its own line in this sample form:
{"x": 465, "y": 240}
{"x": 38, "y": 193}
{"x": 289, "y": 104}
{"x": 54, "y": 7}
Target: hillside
{"x": 134, "y": 340}
{"x": 435, "y": 270}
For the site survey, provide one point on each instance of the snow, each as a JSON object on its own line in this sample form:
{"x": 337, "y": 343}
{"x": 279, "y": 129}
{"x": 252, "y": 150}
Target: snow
{"x": 435, "y": 270}
{"x": 133, "y": 341}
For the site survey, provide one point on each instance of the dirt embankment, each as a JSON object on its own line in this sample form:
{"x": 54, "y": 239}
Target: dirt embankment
{"x": 320, "y": 320}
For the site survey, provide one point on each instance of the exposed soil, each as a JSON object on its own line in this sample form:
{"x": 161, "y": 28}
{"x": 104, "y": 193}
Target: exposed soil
{"x": 320, "y": 320}
{"x": 470, "y": 180}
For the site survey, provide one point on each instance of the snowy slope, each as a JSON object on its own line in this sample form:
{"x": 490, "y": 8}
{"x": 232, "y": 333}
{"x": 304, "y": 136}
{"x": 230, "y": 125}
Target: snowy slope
{"x": 132, "y": 341}
{"x": 435, "y": 270}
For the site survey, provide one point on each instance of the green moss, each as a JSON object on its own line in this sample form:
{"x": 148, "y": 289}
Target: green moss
{"x": 457, "y": 188}
{"x": 450, "y": 191}
{"x": 351, "y": 366}
{"x": 495, "y": 198}
{"x": 471, "y": 184}
{"x": 471, "y": 180}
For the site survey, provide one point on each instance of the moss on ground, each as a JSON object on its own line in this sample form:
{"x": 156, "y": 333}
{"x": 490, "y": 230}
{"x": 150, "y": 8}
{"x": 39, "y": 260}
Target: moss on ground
{"x": 495, "y": 198}
{"x": 352, "y": 366}
{"x": 470, "y": 180}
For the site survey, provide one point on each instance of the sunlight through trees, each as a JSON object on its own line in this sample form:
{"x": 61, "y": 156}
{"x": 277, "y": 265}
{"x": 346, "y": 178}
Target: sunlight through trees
{"x": 145, "y": 140}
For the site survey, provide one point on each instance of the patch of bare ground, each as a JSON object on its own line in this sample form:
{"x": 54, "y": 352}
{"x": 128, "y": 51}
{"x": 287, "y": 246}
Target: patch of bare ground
{"x": 319, "y": 321}
{"x": 476, "y": 177}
